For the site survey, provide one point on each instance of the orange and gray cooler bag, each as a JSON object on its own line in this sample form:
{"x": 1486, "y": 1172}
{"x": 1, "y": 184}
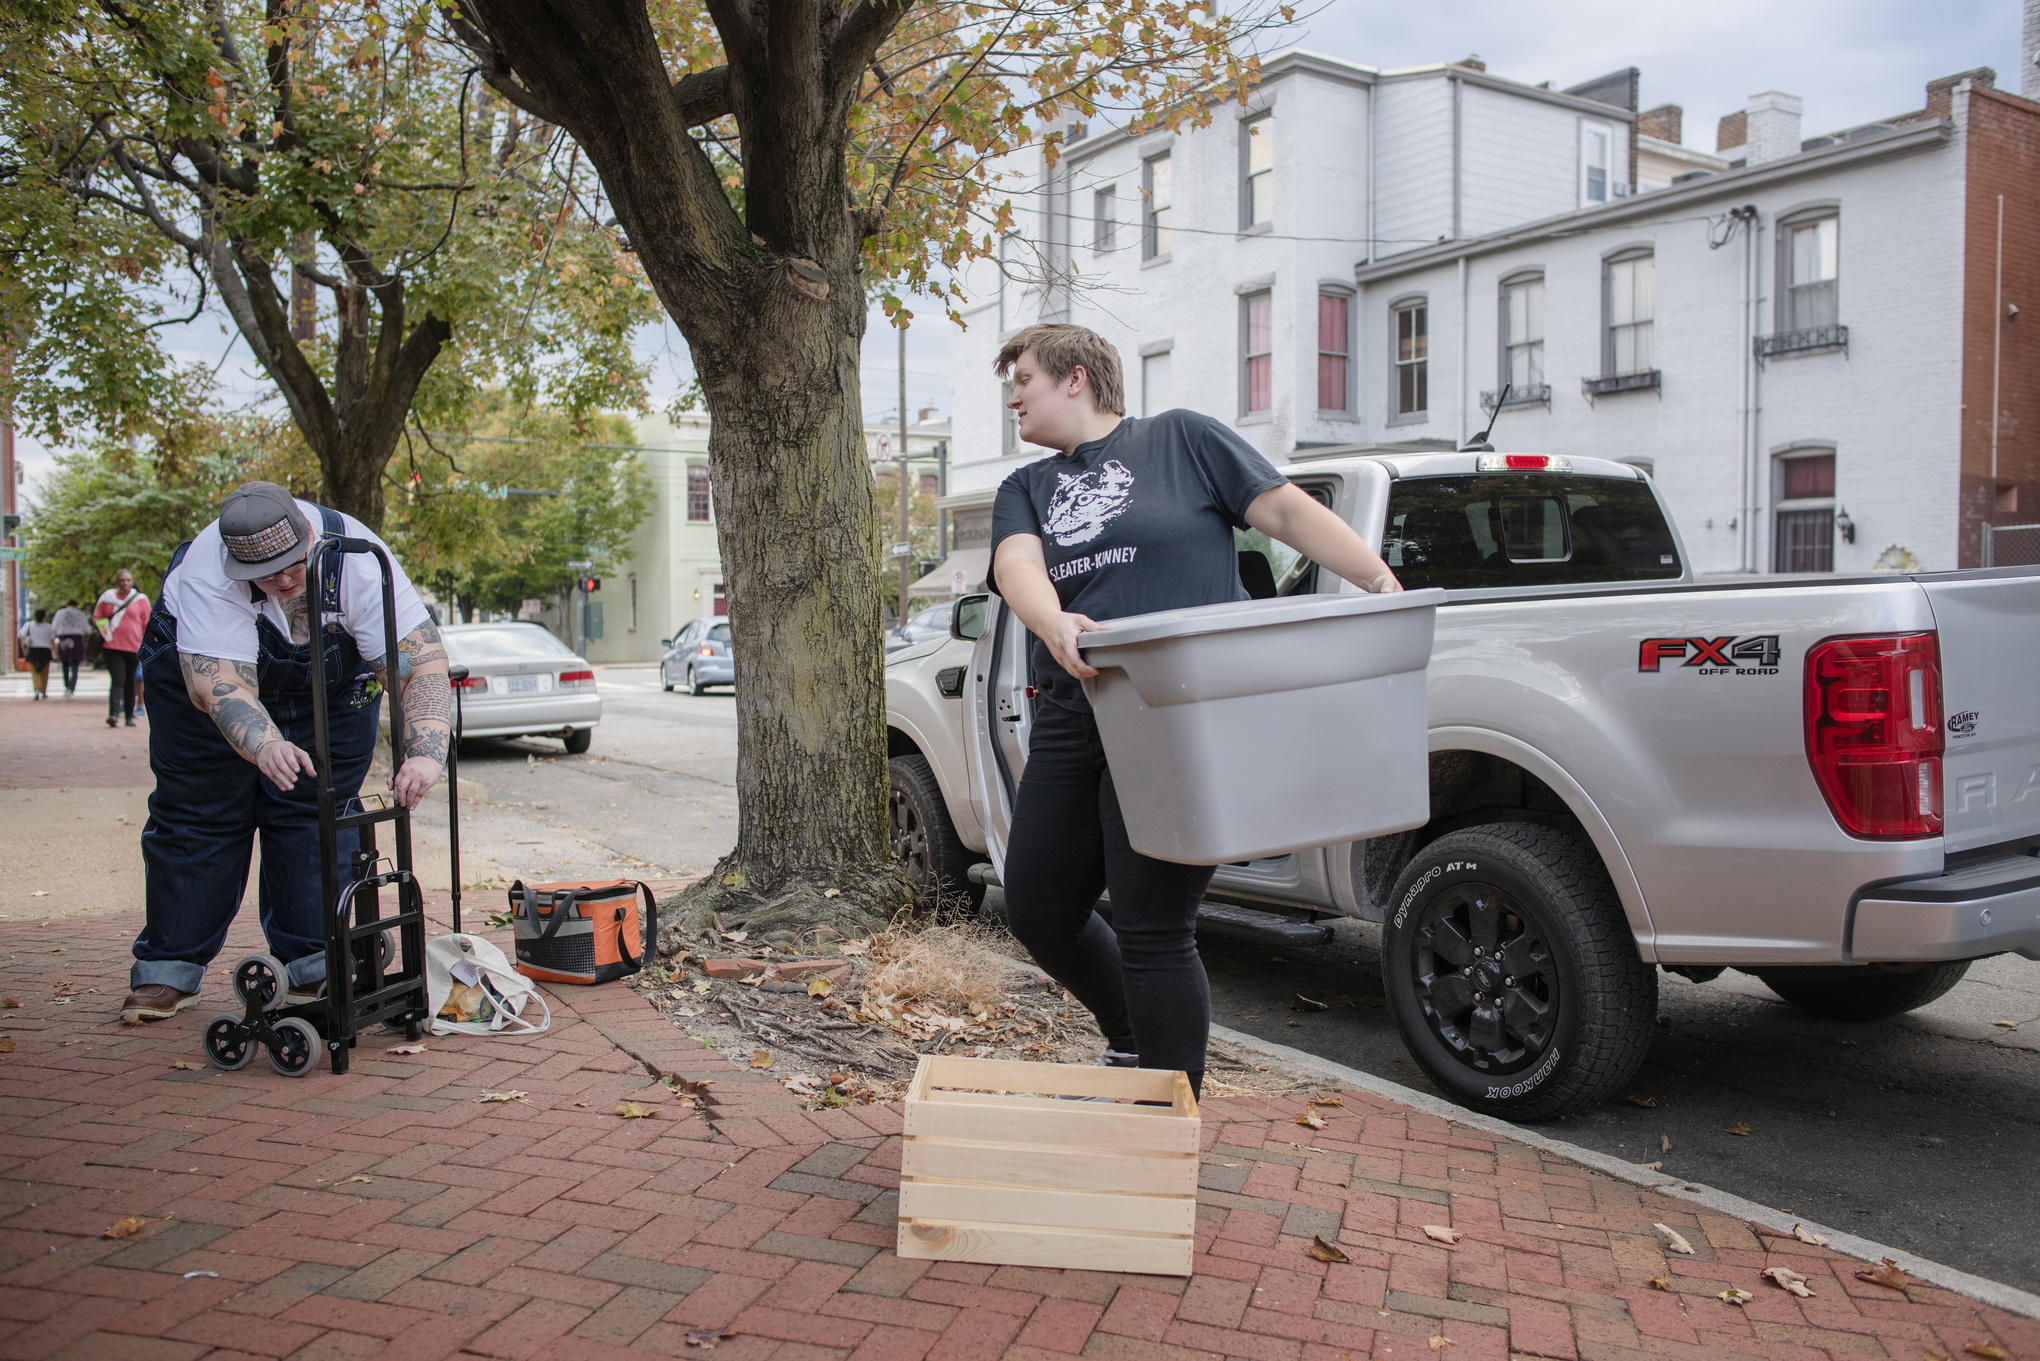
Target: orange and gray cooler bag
{"x": 583, "y": 933}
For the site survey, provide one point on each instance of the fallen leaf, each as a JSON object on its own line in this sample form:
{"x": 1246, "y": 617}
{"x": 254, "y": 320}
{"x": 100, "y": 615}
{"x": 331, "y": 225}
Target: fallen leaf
{"x": 1994, "y": 1350}
{"x": 584, "y": 1103}
{"x": 187, "y": 1065}
{"x": 832, "y": 893}
{"x": 1885, "y": 1273}
{"x": 708, "y": 1337}
{"x": 1786, "y": 1279}
{"x": 1660, "y": 1283}
{"x": 1649, "y": 1103}
{"x": 1739, "y": 1127}
{"x": 853, "y": 947}
{"x": 837, "y": 1079}
{"x": 1326, "y": 1252}
{"x": 820, "y": 987}
{"x": 738, "y": 936}
{"x": 1440, "y": 1343}
{"x": 355, "y": 1178}
{"x": 1806, "y": 1235}
{"x": 405, "y": 1049}
{"x": 2006, "y": 1025}
{"x": 1310, "y": 1120}
{"x": 1438, "y": 1233}
{"x": 1765, "y": 1230}
{"x": 631, "y": 1110}
{"x": 1734, "y": 1296}
{"x": 506, "y": 1096}
{"x": 1338, "y": 1101}
{"x": 8, "y": 1002}
{"x": 1652, "y": 1167}
{"x": 1664, "y": 1143}
{"x": 6, "y": 1044}
{"x": 1674, "y": 1240}
{"x": 1931, "y": 1355}
{"x": 760, "y": 1059}
{"x": 126, "y": 1228}
{"x": 40, "y": 893}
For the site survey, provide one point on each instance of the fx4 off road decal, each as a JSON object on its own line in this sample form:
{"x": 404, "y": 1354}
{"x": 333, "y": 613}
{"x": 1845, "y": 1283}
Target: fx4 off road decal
{"x": 1753, "y": 656}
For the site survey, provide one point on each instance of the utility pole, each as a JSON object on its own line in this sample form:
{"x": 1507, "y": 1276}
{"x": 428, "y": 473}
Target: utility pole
{"x": 10, "y": 508}
{"x": 904, "y": 546}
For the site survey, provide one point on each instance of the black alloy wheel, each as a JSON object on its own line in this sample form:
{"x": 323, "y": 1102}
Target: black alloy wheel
{"x": 1485, "y": 979}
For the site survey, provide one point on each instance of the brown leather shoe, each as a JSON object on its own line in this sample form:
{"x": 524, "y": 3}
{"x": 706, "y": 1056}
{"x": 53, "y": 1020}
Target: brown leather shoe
{"x": 155, "y": 1002}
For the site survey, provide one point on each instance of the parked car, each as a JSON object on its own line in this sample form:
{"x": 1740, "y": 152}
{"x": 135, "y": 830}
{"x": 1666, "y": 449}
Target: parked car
{"x": 1829, "y": 782}
{"x": 924, "y": 626}
{"x": 523, "y": 682}
{"x": 699, "y": 656}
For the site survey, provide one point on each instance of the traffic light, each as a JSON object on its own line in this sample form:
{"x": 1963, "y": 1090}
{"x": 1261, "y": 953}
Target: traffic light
{"x": 590, "y": 585}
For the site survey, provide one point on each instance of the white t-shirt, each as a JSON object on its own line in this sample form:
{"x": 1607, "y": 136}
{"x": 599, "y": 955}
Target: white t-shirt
{"x": 216, "y": 615}
{"x": 40, "y": 635}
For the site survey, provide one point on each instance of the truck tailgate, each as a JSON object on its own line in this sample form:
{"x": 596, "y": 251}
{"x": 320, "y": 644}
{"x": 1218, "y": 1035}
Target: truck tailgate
{"x": 1989, "y": 629}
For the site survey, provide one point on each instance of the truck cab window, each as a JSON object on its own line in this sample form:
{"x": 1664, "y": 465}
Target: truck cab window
{"x": 1477, "y": 532}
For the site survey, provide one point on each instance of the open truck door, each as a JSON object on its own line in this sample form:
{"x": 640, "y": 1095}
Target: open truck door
{"x": 998, "y": 718}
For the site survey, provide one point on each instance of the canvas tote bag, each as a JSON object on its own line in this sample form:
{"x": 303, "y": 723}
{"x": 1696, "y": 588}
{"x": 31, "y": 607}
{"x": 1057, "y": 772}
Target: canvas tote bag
{"x": 470, "y": 989}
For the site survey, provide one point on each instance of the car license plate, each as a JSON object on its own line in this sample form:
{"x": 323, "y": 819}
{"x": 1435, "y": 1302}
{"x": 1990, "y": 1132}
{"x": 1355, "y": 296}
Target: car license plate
{"x": 523, "y": 685}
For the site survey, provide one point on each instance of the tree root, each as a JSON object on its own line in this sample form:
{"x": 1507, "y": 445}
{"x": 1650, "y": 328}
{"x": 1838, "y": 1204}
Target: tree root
{"x": 814, "y": 905}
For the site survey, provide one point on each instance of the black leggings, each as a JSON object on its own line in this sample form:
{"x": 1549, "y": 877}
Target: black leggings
{"x": 120, "y": 667}
{"x": 1140, "y": 976}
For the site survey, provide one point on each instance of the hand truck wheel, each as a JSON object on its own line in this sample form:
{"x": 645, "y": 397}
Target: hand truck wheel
{"x": 297, "y": 1047}
{"x": 260, "y": 982}
{"x": 385, "y": 951}
{"x": 228, "y": 1045}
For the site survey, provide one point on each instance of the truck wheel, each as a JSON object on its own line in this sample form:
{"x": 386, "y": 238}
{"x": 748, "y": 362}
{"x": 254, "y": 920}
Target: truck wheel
{"x": 1866, "y": 993}
{"x": 924, "y": 839}
{"x": 1513, "y": 974}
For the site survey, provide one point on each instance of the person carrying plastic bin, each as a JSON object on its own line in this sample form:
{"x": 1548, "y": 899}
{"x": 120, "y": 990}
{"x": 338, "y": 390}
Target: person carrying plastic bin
{"x": 227, "y": 659}
{"x": 1133, "y": 515}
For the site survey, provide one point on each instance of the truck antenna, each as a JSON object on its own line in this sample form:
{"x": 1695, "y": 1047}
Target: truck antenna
{"x": 1480, "y": 445}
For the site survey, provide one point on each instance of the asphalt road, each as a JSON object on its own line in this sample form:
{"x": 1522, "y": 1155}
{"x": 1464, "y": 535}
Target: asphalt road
{"x": 1922, "y": 1132}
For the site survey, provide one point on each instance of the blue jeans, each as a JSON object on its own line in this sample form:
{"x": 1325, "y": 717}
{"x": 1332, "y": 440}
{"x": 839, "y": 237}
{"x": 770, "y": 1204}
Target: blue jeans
{"x": 208, "y": 806}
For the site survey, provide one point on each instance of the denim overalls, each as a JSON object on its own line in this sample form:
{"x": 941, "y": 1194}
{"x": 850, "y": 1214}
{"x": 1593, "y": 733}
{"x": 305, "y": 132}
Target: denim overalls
{"x": 210, "y": 801}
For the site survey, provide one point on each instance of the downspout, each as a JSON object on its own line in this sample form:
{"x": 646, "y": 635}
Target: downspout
{"x": 1463, "y": 351}
{"x": 1760, "y": 481}
{"x": 1997, "y": 351}
{"x": 1457, "y": 86}
{"x": 1745, "y": 426}
{"x": 1370, "y": 170}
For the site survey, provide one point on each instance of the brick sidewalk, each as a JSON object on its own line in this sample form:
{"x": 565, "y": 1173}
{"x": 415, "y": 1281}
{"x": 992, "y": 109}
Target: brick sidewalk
{"x": 392, "y": 1213}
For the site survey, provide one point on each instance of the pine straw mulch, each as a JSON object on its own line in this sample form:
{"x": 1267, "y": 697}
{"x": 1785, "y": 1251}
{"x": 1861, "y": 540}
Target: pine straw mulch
{"x": 958, "y": 989}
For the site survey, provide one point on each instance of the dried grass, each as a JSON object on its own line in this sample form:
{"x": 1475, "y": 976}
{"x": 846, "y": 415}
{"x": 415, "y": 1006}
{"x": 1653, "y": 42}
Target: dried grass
{"x": 954, "y": 968}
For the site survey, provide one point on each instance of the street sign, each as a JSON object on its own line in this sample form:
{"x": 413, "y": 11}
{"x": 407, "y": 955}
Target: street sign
{"x": 958, "y": 582}
{"x": 579, "y": 564}
{"x": 13, "y": 555}
{"x": 901, "y": 550}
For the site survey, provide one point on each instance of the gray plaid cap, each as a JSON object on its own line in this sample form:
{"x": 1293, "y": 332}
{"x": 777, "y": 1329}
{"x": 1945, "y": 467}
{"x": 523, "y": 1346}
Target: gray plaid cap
{"x": 263, "y": 529}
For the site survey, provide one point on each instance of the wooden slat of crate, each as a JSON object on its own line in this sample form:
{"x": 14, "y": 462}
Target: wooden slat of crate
{"x": 1029, "y": 1180}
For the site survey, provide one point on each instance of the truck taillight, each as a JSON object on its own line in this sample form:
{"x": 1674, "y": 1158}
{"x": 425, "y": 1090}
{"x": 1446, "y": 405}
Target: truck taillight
{"x": 576, "y": 678}
{"x": 1873, "y": 733}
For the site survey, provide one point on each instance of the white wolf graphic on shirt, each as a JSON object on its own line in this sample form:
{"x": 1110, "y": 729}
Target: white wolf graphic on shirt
{"x": 1083, "y": 505}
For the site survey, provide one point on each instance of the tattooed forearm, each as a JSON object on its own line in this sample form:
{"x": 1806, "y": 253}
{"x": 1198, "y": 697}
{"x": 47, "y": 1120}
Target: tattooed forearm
{"x": 428, "y": 699}
{"x": 229, "y": 692}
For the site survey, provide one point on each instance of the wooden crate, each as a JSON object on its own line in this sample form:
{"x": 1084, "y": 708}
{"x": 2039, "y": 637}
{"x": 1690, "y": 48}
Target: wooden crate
{"x": 994, "y": 1169}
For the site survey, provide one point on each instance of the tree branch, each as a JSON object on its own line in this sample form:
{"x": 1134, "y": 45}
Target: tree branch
{"x": 702, "y": 96}
{"x": 863, "y": 32}
{"x": 267, "y": 328}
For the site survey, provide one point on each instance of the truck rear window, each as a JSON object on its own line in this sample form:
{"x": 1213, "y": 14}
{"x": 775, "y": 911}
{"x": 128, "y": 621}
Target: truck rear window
{"x": 1542, "y": 529}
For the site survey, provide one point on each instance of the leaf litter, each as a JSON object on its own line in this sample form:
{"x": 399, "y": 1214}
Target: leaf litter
{"x": 1786, "y": 1279}
{"x": 1674, "y": 1240}
{"x": 1326, "y": 1252}
{"x": 1887, "y": 1274}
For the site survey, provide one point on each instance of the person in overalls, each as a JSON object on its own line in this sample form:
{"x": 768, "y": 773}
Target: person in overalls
{"x": 227, "y": 662}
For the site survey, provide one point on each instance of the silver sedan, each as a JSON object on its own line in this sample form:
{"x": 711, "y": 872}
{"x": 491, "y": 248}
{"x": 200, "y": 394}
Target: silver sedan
{"x": 523, "y": 682}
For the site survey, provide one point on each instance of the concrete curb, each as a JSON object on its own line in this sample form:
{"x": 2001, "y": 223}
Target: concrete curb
{"x": 1994, "y": 1293}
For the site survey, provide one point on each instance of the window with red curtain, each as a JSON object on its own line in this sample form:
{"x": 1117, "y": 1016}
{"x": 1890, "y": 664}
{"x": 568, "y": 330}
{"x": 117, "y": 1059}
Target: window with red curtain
{"x": 1257, "y": 342}
{"x": 1333, "y": 357}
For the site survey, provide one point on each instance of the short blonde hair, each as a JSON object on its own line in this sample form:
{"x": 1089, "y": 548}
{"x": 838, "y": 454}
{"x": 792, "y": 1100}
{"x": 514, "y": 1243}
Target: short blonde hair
{"x": 1062, "y": 349}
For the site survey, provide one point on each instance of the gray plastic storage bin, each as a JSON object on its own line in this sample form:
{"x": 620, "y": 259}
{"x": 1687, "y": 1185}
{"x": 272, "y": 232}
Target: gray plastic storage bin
{"x": 1258, "y": 728}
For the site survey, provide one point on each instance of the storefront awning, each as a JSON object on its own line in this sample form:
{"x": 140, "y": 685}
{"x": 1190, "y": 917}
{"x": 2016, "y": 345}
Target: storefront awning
{"x": 962, "y": 572}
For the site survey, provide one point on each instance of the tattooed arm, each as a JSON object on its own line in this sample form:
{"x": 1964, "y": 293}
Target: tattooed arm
{"x": 228, "y": 691}
{"x": 428, "y": 712}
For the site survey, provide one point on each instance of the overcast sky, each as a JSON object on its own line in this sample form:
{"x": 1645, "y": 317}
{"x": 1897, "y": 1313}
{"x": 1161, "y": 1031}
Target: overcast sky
{"x": 1852, "y": 61}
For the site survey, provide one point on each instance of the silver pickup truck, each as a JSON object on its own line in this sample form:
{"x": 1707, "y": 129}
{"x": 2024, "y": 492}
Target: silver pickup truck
{"x": 1830, "y": 782}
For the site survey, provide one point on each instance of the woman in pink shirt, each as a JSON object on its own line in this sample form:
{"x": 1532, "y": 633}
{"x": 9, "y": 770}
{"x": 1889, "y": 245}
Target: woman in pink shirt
{"x": 121, "y": 615}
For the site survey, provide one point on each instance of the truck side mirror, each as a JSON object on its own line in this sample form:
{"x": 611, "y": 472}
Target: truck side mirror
{"x": 967, "y": 620}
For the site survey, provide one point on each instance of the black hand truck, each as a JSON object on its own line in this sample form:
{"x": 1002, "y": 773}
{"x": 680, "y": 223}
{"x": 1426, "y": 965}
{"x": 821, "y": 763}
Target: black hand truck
{"x": 370, "y": 977}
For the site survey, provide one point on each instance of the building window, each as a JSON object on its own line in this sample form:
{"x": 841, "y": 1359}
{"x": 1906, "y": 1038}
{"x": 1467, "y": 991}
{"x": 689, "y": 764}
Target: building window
{"x": 698, "y": 505}
{"x": 1154, "y": 384}
{"x": 930, "y": 485}
{"x": 1105, "y": 218}
{"x": 1257, "y": 166}
{"x": 1805, "y": 492}
{"x": 1596, "y": 143}
{"x": 633, "y": 602}
{"x": 1257, "y": 358}
{"x": 1157, "y": 189}
{"x": 1412, "y": 361}
{"x": 1334, "y": 352}
{"x": 1812, "y": 259}
{"x": 1523, "y": 336}
{"x": 1631, "y": 312}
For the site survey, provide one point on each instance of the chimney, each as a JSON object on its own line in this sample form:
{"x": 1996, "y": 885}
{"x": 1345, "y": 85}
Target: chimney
{"x": 1474, "y": 63}
{"x": 1941, "y": 93}
{"x": 2029, "y": 50}
{"x": 1666, "y": 122}
{"x": 1773, "y": 121}
{"x": 1732, "y": 132}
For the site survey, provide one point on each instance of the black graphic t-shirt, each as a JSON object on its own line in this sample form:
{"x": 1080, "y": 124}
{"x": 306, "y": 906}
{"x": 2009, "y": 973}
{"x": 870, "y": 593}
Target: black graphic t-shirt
{"x": 1141, "y": 520}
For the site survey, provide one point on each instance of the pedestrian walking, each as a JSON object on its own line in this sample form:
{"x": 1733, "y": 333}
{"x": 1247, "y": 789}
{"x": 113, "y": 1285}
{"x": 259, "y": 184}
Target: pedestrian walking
{"x": 72, "y": 625}
{"x": 122, "y": 617}
{"x": 1132, "y": 516}
{"x": 38, "y": 637}
{"x": 228, "y": 661}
